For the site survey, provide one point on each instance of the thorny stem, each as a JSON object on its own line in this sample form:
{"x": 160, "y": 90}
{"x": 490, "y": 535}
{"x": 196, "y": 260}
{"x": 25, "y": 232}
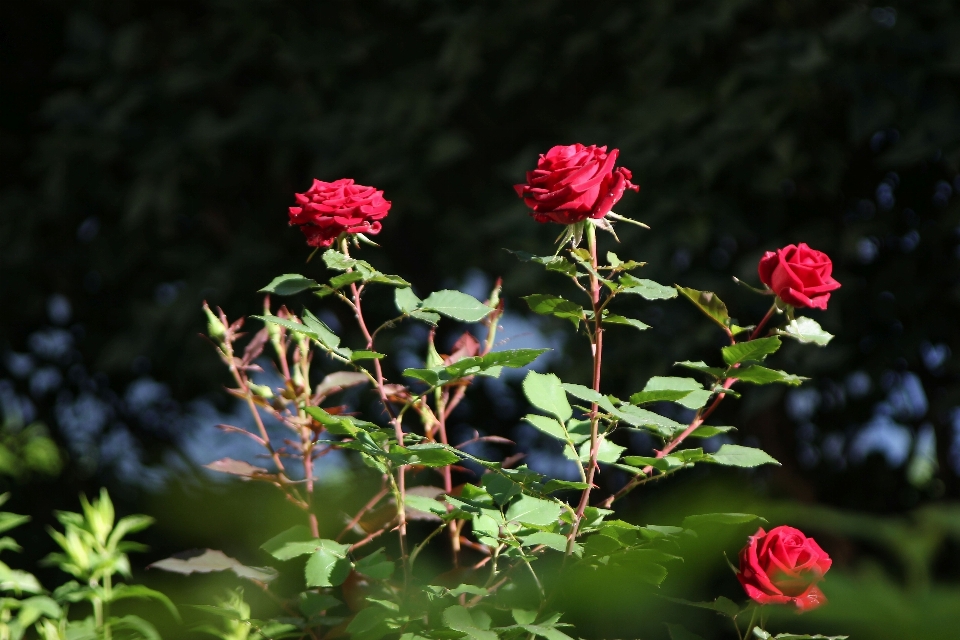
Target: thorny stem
{"x": 397, "y": 427}
{"x": 697, "y": 421}
{"x": 248, "y": 396}
{"x": 363, "y": 510}
{"x": 597, "y": 347}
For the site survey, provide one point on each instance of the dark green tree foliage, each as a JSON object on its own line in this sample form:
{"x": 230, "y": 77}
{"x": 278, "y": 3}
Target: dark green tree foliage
{"x": 154, "y": 147}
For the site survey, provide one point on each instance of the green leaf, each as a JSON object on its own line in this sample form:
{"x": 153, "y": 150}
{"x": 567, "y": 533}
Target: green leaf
{"x": 752, "y": 350}
{"x": 376, "y": 565}
{"x": 708, "y": 431}
{"x": 712, "y": 306}
{"x": 523, "y": 616}
{"x": 589, "y": 395}
{"x": 424, "y": 504}
{"x": 550, "y": 633}
{"x": 552, "y": 540}
{"x": 513, "y": 358}
{"x": 123, "y": 591}
{"x": 329, "y": 565}
{"x": 756, "y": 374}
{"x": 549, "y": 305}
{"x": 313, "y": 604}
{"x": 552, "y": 263}
{"x": 691, "y": 522}
{"x": 806, "y": 331}
{"x": 646, "y": 288}
{"x": 342, "y": 280}
{"x": 11, "y": 520}
{"x": 638, "y": 417}
{"x": 406, "y": 300}
{"x": 289, "y": 324}
{"x": 647, "y": 397}
{"x": 614, "y": 261}
{"x": 629, "y": 322}
{"x": 475, "y": 627}
{"x": 550, "y": 426}
{"x": 667, "y": 463}
{"x": 289, "y": 284}
{"x": 456, "y": 305}
{"x": 295, "y": 541}
{"x": 700, "y": 366}
{"x": 563, "y": 485}
{"x": 383, "y": 278}
{"x": 734, "y": 455}
{"x": 426, "y": 316}
{"x": 18, "y": 581}
{"x": 427, "y": 454}
{"x": 367, "y": 619}
{"x": 545, "y": 392}
{"x": 337, "y": 261}
{"x": 136, "y": 624}
{"x": 502, "y": 488}
{"x": 324, "y": 334}
{"x": 471, "y": 589}
{"x": 677, "y": 632}
{"x": 534, "y": 511}
{"x": 608, "y": 452}
{"x": 696, "y": 397}
{"x": 365, "y": 355}
{"x": 33, "y": 608}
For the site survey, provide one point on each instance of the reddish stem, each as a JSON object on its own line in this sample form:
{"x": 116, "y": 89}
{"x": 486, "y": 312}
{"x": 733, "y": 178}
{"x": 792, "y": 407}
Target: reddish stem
{"x": 397, "y": 428}
{"x": 597, "y": 347}
{"x": 370, "y": 505}
{"x": 698, "y": 420}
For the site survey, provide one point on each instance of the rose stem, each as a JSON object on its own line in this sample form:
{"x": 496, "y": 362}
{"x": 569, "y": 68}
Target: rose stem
{"x": 597, "y": 348}
{"x": 698, "y": 420}
{"x": 397, "y": 428}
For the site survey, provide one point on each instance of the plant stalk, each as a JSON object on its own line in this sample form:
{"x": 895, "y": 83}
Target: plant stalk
{"x": 597, "y": 348}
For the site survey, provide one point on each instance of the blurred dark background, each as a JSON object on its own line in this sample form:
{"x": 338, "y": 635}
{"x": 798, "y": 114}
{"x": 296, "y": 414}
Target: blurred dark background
{"x": 148, "y": 152}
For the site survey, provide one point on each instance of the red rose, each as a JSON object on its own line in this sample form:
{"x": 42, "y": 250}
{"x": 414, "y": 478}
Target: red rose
{"x": 783, "y": 566}
{"x": 573, "y": 183}
{"x": 328, "y": 209}
{"x": 799, "y": 275}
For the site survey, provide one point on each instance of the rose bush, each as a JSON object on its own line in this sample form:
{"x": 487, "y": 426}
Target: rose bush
{"x": 783, "y": 567}
{"x": 328, "y": 209}
{"x": 575, "y": 182}
{"x": 799, "y": 275}
{"x": 516, "y": 541}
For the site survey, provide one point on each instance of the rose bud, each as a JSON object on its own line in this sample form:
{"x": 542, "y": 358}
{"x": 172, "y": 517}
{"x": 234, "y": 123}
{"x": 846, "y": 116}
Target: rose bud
{"x": 328, "y": 209}
{"x": 799, "y": 275}
{"x": 783, "y": 567}
{"x": 573, "y": 183}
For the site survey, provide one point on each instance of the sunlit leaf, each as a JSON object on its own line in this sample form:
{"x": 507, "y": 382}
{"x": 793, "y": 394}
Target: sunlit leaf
{"x": 752, "y": 350}
{"x": 535, "y": 511}
{"x": 734, "y": 455}
{"x": 757, "y": 374}
{"x": 289, "y": 284}
{"x": 550, "y": 305}
{"x": 545, "y": 392}
{"x": 328, "y": 566}
{"x": 456, "y": 305}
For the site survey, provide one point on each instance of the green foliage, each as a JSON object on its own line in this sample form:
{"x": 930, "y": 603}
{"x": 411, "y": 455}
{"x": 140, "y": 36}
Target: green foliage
{"x": 529, "y": 528}
{"x": 456, "y": 305}
{"x": 93, "y": 551}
